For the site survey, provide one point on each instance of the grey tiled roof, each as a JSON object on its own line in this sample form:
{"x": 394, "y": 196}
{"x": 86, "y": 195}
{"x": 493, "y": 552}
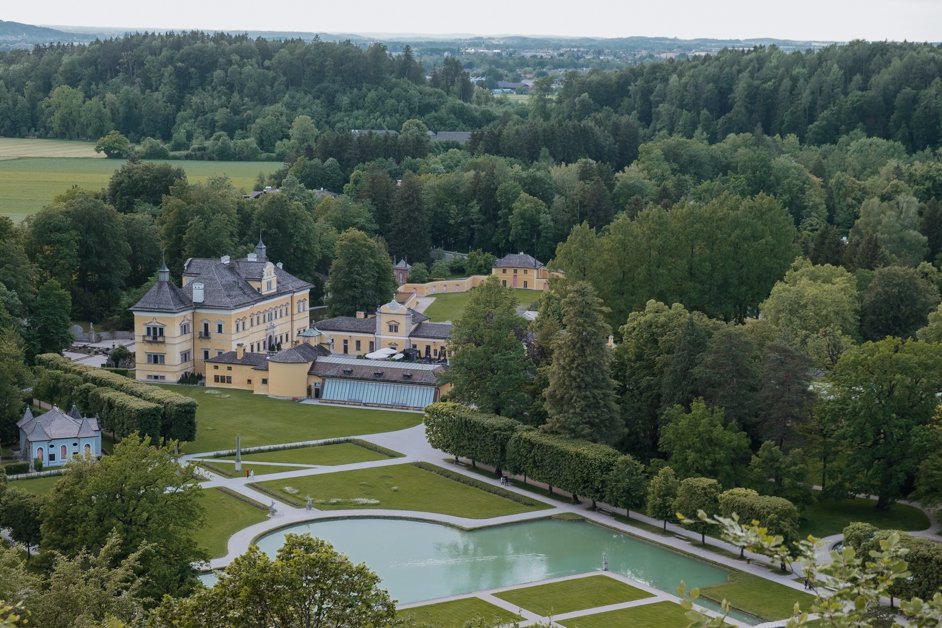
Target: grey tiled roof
{"x": 299, "y": 354}
{"x": 377, "y": 371}
{"x": 57, "y": 424}
{"x": 226, "y": 286}
{"x": 348, "y": 324}
{"x": 402, "y": 264}
{"x": 257, "y": 360}
{"x": 438, "y": 331}
{"x": 164, "y": 297}
{"x": 518, "y": 260}
{"x": 417, "y": 316}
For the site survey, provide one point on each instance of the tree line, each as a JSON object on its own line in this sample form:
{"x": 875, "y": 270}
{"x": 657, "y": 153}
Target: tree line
{"x": 753, "y": 402}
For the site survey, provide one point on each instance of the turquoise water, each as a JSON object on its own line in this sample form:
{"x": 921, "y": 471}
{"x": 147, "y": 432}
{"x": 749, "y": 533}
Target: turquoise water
{"x": 421, "y": 561}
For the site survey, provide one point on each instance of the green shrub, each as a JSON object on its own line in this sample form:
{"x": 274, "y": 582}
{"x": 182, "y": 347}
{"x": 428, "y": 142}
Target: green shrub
{"x": 178, "y": 413}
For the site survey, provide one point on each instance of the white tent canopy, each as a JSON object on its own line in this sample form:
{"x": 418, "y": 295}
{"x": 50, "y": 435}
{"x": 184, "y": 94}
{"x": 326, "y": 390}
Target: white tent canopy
{"x": 382, "y": 354}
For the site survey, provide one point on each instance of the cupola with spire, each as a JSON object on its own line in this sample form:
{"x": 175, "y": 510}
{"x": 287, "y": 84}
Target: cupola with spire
{"x": 260, "y": 249}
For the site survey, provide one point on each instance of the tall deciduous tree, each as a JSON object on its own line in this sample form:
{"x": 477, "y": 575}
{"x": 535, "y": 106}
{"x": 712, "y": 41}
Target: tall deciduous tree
{"x": 289, "y": 233}
{"x": 811, "y": 299}
{"x": 147, "y": 497}
{"x": 13, "y": 378}
{"x": 361, "y": 276}
{"x": 198, "y": 220}
{"x": 489, "y": 367}
{"x": 880, "y": 395}
{"x": 698, "y": 443}
{"x": 307, "y": 584}
{"x": 49, "y": 324}
{"x": 90, "y": 589}
{"x": 897, "y": 302}
{"x": 662, "y": 491}
{"x": 21, "y": 512}
{"x": 142, "y": 183}
{"x": 580, "y": 398}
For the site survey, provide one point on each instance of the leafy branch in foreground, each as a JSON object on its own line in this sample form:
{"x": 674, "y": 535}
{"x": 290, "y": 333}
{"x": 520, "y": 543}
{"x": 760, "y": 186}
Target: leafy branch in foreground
{"x": 848, "y": 590}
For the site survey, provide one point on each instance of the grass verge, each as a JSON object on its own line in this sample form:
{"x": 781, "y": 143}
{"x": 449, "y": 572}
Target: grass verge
{"x": 456, "y": 613}
{"x": 39, "y": 486}
{"x": 829, "y": 516}
{"x": 227, "y": 512}
{"x": 228, "y": 470}
{"x": 328, "y": 455}
{"x": 657, "y": 615}
{"x": 758, "y": 596}
{"x": 450, "y": 306}
{"x": 260, "y": 420}
{"x": 577, "y": 594}
{"x": 397, "y": 487}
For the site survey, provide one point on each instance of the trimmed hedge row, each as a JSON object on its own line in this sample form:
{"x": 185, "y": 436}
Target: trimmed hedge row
{"x": 123, "y": 414}
{"x": 579, "y": 467}
{"x": 463, "y": 432}
{"x": 576, "y": 466}
{"x": 177, "y": 415}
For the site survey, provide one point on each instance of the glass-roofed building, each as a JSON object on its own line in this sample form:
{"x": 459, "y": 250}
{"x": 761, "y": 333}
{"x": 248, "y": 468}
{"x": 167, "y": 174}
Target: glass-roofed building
{"x": 309, "y": 370}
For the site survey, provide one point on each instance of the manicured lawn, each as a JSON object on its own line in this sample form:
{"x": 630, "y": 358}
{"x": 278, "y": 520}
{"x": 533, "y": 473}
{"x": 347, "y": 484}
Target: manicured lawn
{"x": 397, "y": 487}
{"x": 557, "y": 598}
{"x": 448, "y": 307}
{"x": 225, "y": 515}
{"x": 340, "y": 453}
{"x": 456, "y": 613}
{"x": 30, "y": 183}
{"x": 758, "y": 596}
{"x": 657, "y": 615}
{"x": 259, "y": 420}
{"x": 40, "y": 486}
{"x": 228, "y": 470}
{"x": 828, "y": 517}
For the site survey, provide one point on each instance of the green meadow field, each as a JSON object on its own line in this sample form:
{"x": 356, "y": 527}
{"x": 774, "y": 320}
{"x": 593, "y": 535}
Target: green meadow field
{"x": 33, "y": 172}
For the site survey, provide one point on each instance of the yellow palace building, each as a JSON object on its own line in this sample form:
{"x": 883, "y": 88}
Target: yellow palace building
{"x": 222, "y": 303}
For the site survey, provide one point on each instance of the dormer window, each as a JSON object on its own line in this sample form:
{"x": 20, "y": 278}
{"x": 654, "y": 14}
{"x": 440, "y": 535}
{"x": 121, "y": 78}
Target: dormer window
{"x": 393, "y": 327}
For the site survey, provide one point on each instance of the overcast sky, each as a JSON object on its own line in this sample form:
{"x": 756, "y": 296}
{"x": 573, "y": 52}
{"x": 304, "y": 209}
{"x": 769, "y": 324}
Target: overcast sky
{"x": 913, "y": 20}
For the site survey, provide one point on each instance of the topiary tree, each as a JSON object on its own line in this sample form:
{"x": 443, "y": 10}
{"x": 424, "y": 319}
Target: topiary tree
{"x": 626, "y": 485}
{"x": 694, "y": 495}
{"x": 777, "y": 514}
{"x": 662, "y": 492}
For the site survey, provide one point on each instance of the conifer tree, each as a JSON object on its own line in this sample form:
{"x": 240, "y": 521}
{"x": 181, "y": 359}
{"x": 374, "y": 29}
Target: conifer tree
{"x": 580, "y": 399}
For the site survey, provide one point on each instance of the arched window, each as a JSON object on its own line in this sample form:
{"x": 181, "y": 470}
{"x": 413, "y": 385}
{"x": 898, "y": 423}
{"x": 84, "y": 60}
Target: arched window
{"x": 64, "y": 452}
{"x": 88, "y": 450}
{"x": 40, "y": 455}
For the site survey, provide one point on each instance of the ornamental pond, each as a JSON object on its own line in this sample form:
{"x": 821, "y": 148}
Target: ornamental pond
{"x": 419, "y": 560}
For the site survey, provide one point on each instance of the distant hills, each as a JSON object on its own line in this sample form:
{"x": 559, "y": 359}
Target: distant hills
{"x": 18, "y": 35}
